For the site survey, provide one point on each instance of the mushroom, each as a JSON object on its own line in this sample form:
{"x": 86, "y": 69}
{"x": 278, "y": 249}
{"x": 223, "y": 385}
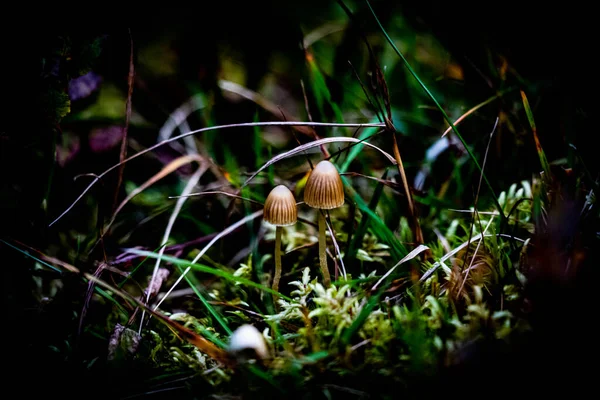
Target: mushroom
{"x": 324, "y": 190}
{"x": 280, "y": 210}
{"x": 247, "y": 342}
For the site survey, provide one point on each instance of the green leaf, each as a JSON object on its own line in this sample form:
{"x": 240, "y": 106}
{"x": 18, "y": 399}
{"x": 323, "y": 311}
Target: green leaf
{"x": 454, "y": 128}
{"x": 208, "y": 270}
{"x": 357, "y": 239}
{"x": 378, "y": 227}
{"x": 193, "y": 282}
{"x": 538, "y": 145}
{"x": 360, "y": 320}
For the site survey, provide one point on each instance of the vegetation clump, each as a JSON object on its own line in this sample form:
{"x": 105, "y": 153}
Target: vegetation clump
{"x": 442, "y": 243}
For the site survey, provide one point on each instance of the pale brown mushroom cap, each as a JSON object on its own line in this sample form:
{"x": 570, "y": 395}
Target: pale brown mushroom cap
{"x": 280, "y": 207}
{"x": 324, "y": 188}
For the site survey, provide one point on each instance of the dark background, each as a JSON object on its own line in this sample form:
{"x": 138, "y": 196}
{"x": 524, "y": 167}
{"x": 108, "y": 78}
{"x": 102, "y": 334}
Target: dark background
{"x": 549, "y": 43}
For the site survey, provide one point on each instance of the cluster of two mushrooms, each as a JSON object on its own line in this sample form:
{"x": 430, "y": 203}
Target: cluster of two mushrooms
{"x": 324, "y": 190}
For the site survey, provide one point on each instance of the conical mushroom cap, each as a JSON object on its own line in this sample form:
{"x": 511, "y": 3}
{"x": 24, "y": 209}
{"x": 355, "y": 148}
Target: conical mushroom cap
{"x": 280, "y": 207}
{"x": 324, "y": 188}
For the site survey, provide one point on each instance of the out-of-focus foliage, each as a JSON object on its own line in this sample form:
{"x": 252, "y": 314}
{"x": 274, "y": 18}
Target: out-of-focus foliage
{"x": 491, "y": 302}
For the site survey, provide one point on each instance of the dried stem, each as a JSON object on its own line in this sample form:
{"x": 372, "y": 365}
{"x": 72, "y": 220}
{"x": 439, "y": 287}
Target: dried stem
{"x": 414, "y": 221}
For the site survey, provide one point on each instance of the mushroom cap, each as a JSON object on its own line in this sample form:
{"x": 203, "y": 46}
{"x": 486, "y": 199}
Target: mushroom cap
{"x": 280, "y": 207}
{"x": 246, "y": 338}
{"x": 324, "y": 188}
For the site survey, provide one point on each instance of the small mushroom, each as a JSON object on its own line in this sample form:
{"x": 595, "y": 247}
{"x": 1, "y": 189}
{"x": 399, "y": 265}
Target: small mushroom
{"x": 280, "y": 210}
{"x": 247, "y": 342}
{"x": 324, "y": 190}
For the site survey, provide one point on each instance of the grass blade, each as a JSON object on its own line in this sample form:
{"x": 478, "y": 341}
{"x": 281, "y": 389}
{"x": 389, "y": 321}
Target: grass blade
{"x": 322, "y": 93}
{"x": 362, "y": 317}
{"x": 208, "y": 270}
{"x": 166, "y": 170}
{"x": 266, "y": 104}
{"x": 316, "y": 143}
{"x": 52, "y": 267}
{"x": 356, "y": 241}
{"x": 194, "y": 179}
{"x": 202, "y": 343}
{"x": 190, "y": 133}
{"x": 477, "y": 107}
{"x": 358, "y": 148}
{"x": 454, "y": 128}
{"x": 221, "y": 234}
{"x": 538, "y": 145}
{"x": 419, "y": 249}
{"x": 205, "y": 303}
{"x": 380, "y": 229}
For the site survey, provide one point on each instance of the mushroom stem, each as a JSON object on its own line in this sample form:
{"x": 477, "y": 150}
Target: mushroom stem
{"x": 277, "y": 276}
{"x": 322, "y": 250}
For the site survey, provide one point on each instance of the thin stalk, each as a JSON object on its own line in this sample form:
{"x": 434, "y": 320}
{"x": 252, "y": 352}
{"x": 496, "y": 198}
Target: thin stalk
{"x": 277, "y": 276}
{"x": 414, "y": 221}
{"x": 439, "y": 106}
{"x": 322, "y": 250}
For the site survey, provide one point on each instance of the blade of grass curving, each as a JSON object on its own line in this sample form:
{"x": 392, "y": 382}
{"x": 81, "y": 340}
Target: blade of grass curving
{"x": 266, "y": 104}
{"x": 358, "y": 236}
{"x": 31, "y": 256}
{"x": 191, "y": 280}
{"x": 415, "y": 252}
{"x": 223, "y": 274}
{"x": 166, "y": 170}
{"x": 137, "y": 267}
{"x": 110, "y": 298}
{"x": 538, "y": 145}
{"x": 365, "y": 135}
{"x": 379, "y": 227}
{"x": 220, "y": 192}
{"x": 203, "y": 344}
{"x": 477, "y": 107}
{"x": 391, "y": 184}
{"x": 206, "y": 269}
{"x": 446, "y": 256}
{"x": 207, "y": 129}
{"x": 438, "y": 105}
{"x": 316, "y": 143}
{"x": 197, "y": 340}
{"x": 193, "y": 181}
{"x": 50, "y": 259}
{"x": 322, "y": 93}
